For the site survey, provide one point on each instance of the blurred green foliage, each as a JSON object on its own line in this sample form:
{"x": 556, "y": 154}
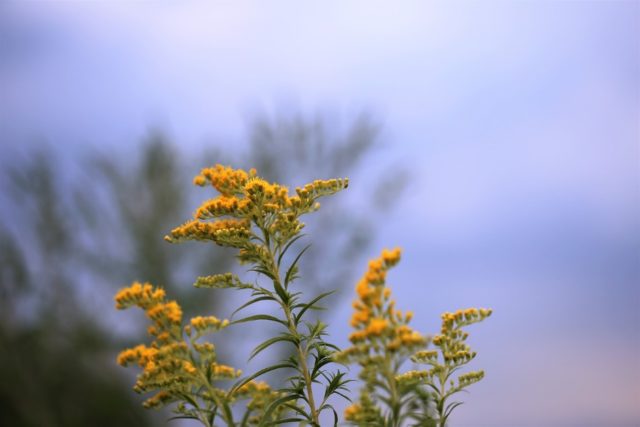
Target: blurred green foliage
{"x": 76, "y": 232}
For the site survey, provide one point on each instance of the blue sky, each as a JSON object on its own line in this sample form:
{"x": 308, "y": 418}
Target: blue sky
{"x": 518, "y": 120}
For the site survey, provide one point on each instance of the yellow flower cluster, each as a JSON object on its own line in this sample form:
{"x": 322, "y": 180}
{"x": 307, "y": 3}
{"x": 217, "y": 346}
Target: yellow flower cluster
{"x": 221, "y": 281}
{"x": 412, "y": 376}
{"x": 201, "y": 323}
{"x": 245, "y": 200}
{"x": 451, "y": 339}
{"x": 376, "y": 320}
{"x": 224, "y": 372}
{"x": 381, "y": 341}
{"x": 198, "y": 230}
{"x": 152, "y": 300}
{"x": 365, "y": 412}
{"x": 168, "y": 365}
{"x": 470, "y": 378}
{"x": 352, "y": 412}
{"x": 451, "y": 355}
{"x": 226, "y": 180}
{"x": 138, "y": 294}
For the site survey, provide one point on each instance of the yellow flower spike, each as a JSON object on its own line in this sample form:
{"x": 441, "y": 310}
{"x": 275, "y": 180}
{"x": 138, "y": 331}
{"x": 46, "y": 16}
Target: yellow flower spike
{"x": 218, "y": 207}
{"x": 224, "y": 371}
{"x": 169, "y": 363}
{"x": 412, "y": 376}
{"x": 199, "y": 230}
{"x": 130, "y": 355}
{"x": 208, "y": 324}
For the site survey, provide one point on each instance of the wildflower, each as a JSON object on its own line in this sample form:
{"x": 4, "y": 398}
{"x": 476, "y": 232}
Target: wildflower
{"x": 381, "y": 340}
{"x": 451, "y": 355}
{"x": 169, "y": 366}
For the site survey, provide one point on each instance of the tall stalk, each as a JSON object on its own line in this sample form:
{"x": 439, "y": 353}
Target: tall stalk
{"x": 302, "y": 351}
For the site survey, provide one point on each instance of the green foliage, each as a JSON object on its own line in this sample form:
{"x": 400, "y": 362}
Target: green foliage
{"x": 261, "y": 221}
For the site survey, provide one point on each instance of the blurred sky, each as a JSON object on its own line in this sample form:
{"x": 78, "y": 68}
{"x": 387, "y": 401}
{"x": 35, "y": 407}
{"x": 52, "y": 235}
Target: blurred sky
{"x": 520, "y": 122}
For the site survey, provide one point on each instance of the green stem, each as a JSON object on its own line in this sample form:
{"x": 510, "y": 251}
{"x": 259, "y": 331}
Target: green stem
{"x": 205, "y": 381}
{"x": 302, "y": 360}
{"x": 302, "y": 351}
{"x": 443, "y": 383}
{"x": 394, "y": 401}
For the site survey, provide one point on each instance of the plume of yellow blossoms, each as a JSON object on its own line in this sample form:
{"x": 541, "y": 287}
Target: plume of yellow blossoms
{"x": 381, "y": 342}
{"x": 451, "y": 354}
{"x": 179, "y": 370}
{"x": 247, "y": 202}
{"x": 262, "y": 220}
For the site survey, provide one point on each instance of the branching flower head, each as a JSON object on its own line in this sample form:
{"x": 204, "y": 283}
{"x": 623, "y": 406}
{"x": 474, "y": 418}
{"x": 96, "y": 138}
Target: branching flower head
{"x": 247, "y": 207}
{"x": 381, "y": 342}
{"x": 379, "y": 326}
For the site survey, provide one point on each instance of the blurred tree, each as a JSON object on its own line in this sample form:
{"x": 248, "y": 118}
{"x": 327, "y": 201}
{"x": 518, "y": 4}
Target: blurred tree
{"x": 80, "y": 235}
{"x": 52, "y": 351}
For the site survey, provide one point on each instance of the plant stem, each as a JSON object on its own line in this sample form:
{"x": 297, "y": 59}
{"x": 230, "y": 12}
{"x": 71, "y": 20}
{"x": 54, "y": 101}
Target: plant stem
{"x": 302, "y": 351}
{"x": 302, "y": 360}
{"x": 394, "y": 401}
{"x": 441, "y": 419}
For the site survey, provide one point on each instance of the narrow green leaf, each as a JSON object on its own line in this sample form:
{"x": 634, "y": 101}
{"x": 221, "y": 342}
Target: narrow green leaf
{"x": 335, "y": 414}
{"x": 294, "y": 408}
{"x": 291, "y": 271}
{"x": 288, "y": 420}
{"x": 282, "y": 293}
{"x": 271, "y": 341}
{"x": 228, "y": 413}
{"x": 251, "y": 302}
{"x": 288, "y": 245}
{"x": 311, "y": 303}
{"x": 273, "y": 406}
{"x": 245, "y": 418}
{"x": 264, "y": 271}
{"x": 450, "y": 407}
{"x": 183, "y": 417}
{"x": 259, "y": 317}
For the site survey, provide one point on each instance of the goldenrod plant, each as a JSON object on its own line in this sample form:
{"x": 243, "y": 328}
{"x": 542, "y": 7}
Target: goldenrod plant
{"x": 261, "y": 220}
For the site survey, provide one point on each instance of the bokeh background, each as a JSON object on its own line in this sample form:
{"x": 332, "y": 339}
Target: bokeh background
{"x": 498, "y": 143}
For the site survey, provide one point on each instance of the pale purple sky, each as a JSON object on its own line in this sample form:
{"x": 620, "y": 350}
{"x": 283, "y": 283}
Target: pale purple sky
{"x": 520, "y": 122}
